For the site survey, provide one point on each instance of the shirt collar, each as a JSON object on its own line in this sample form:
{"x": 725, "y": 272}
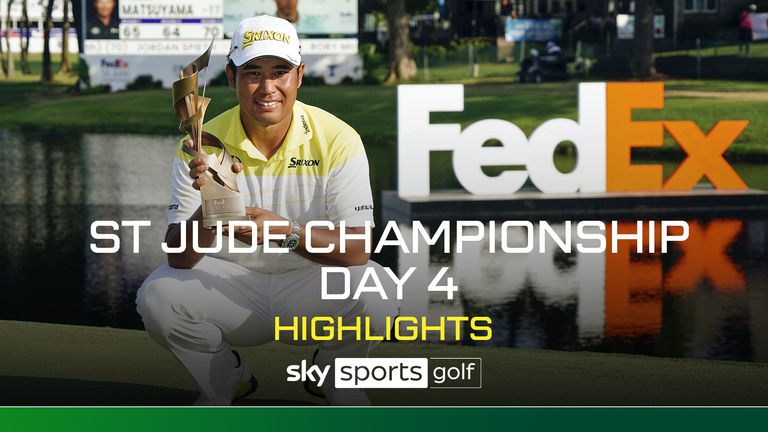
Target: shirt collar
{"x": 299, "y": 133}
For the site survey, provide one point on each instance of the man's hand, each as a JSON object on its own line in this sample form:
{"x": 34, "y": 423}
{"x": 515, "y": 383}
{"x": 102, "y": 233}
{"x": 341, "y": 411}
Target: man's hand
{"x": 189, "y": 258}
{"x": 259, "y": 216}
{"x": 198, "y": 165}
{"x": 355, "y": 251}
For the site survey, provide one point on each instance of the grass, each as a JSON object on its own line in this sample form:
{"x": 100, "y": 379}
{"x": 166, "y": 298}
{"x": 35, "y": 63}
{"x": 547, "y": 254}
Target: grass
{"x": 36, "y": 68}
{"x": 463, "y": 73}
{"x": 759, "y": 49}
{"x": 98, "y": 366}
{"x": 717, "y": 86}
{"x": 372, "y": 109}
{"x": 752, "y": 139}
{"x": 458, "y": 72}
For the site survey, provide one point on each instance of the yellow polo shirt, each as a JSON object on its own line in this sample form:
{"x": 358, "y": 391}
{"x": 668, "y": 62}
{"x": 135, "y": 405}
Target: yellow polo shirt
{"x": 319, "y": 173}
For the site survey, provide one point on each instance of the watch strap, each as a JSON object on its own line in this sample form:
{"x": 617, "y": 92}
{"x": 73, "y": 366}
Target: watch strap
{"x": 295, "y": 233}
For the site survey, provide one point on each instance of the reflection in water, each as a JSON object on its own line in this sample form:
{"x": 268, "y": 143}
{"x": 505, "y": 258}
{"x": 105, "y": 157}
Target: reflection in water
{"x": 707, "y": 298}
{"x": 54, "y": 187}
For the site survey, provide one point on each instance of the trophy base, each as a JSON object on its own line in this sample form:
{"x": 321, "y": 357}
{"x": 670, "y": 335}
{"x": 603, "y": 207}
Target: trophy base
{"x": 221, "y": 204}
{"x": 210, "y": 221}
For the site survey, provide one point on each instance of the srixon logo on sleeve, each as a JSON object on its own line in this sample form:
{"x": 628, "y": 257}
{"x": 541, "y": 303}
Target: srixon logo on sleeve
{"x": 604, "y": 136}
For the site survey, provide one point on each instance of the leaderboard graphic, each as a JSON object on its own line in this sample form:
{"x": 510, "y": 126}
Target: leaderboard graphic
{"x": 138, "y": 21}
{"x": 136, "y": 27}
{"x": 124, "y": 39}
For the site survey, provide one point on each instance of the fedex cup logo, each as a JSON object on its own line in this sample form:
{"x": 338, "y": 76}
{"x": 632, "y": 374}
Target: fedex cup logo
{"x": 604, "y": 136}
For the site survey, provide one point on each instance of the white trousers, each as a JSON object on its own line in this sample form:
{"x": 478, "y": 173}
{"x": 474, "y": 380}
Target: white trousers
{"x": 199, "y": 313}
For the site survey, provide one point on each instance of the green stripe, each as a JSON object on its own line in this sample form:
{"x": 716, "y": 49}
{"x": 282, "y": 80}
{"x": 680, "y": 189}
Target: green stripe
{"x": 381, "y": 419}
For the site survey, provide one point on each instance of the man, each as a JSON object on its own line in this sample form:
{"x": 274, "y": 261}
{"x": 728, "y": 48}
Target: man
{"x": 299, "y": 164}
{"x": 507, "y": 10}
{"x": 288, "y": 10}
{"x": 745, "y": 28}
{"x": 102, "y": 20}
{"x": 305, "y": 23}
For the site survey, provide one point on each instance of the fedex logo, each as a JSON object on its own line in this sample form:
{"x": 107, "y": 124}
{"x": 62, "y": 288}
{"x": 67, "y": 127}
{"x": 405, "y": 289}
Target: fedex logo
{"x": 117, "y": 63}
{"x": 604, "y": 136}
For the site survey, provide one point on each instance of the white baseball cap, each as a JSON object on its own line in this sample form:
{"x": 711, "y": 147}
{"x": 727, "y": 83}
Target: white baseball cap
{"x": 264, "y": 36}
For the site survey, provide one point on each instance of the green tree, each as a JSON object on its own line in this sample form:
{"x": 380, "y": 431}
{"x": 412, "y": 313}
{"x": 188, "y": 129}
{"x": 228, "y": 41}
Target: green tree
{"x": 643, "y": 38}
{"x": 65, "y": 65}
{"x": 10, "y": 66}
{"x": 400, "y": 64}
{"x": 24, "y": 39}
{"x": 2, "y": 52}
{"x": 47, "y": 75}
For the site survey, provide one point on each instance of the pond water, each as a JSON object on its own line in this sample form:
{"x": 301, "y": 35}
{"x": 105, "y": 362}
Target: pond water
{"x": 707, "y": 298}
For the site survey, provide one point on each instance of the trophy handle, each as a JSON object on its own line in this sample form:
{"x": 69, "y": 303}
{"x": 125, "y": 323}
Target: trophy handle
{"x": 222, "y": 173}
{"x": 221, "y": 199}
{"x": 188, "y": 107}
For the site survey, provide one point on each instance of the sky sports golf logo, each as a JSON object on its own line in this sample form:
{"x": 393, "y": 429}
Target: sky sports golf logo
{"x": 415, "y": 373}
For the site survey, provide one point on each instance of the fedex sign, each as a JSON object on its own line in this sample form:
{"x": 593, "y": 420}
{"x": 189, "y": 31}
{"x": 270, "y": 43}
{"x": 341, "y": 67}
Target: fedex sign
{"x": 604, "y": 136}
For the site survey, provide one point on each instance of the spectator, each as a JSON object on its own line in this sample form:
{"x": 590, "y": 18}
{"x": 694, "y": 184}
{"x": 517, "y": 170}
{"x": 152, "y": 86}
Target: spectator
{"x": 507, "y": 11}
{"x": 745, "y": 29}
{"x": 506, "y": 8}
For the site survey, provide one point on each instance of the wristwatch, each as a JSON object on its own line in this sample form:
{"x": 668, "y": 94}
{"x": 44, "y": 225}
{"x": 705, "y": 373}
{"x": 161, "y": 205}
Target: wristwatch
{"x": 291, "y": 241}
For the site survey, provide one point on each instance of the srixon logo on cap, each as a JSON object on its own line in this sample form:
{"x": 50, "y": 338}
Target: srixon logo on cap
{"x": 604, "y": 137}
{"x": 249, "y": 37}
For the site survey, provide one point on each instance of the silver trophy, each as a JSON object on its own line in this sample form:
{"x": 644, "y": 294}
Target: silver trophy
{"x": 221, "y": 200}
